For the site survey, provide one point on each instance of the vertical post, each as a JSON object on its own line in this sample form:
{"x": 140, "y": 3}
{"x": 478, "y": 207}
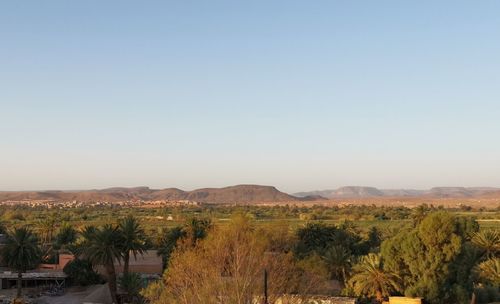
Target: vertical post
{"x": 473, "y": 300}
{"x": 265, "y": 287}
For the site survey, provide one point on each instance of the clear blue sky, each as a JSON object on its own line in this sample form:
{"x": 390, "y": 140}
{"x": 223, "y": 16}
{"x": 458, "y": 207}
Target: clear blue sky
{"x": 298, "y": 94}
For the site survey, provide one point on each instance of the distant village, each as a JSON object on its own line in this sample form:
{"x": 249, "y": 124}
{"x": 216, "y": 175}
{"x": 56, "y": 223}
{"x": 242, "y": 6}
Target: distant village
{"x": 82, "y": 204}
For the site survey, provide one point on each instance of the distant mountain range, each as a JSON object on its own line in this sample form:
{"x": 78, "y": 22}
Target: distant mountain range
{"x": 242, "y": 194}
{"x": 437, "y": 192}
{"x": 233, "y": 194}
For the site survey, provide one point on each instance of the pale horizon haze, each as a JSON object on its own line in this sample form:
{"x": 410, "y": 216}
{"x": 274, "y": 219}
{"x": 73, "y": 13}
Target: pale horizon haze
{"x": 301, "y": 95}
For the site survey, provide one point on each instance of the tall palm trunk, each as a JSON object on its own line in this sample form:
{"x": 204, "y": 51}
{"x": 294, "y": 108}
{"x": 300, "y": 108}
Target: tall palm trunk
{"x": 19, "y": 283}
{"x": 110, "y": 269}
{"x": 126, "y": 259}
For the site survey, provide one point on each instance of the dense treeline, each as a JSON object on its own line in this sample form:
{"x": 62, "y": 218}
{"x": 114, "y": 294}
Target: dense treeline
{"x": 92, "y": 246}
{"x": 210, "y": 254}
{"x": 152, "y": 218}
{"x": 437, "y": 256}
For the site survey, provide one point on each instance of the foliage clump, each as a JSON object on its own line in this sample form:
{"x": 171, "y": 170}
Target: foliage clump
{"x": 81, "y": 272}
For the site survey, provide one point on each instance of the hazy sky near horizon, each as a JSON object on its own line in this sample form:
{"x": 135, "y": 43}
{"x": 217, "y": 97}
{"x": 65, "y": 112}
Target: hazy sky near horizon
{"x": 302, "y": 95}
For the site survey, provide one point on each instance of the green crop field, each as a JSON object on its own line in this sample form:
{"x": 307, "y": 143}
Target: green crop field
{"x": 154, "y": 219}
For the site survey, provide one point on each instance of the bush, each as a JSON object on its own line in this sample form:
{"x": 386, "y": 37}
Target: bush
{"x": 132, "y": 284}
{"x": 80, "y": 272}
{"x": 487, "y": 294}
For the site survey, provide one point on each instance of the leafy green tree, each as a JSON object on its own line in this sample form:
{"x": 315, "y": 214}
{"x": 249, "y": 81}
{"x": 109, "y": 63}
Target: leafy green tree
{"x": 466, "y": 226}
{"x": 461, "y": 270}
{"x": 425, "y": 256}
{"x": 134, "y": 240}
{"x": 102, "y": 246}
{"x": 370, "y": 279}
{"x": 318, "y": 237}
{"x": 420, "y": 213}
{"x": 374, "y": 238}
{"x": 21, "y": 252}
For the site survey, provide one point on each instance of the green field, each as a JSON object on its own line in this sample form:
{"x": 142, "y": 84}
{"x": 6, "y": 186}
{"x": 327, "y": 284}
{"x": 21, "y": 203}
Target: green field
{"x": 386, "y": 219}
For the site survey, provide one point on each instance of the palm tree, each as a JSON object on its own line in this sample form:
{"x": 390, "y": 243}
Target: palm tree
{"x": 167, "y": 243}
{"x": 372, "y": 280}
{"x": 47, "y": 227}
{"x": 21, "y": 252}
{"x": 87, "y": 234}
{"x": 193, "y": 231}
{"x": 197, "y": 228}
{"x": 102, "y": 246}
{"x": 338, "y": 260}
{"x": 133, "y": 284}
{"x": 489, "y": 271}
{"x": 348, "y": 226}
{"x": 66, "y": 236}
{"x": 134, "y": 240}
{"x": 488, "y": 241}
{"x": 420, "y": 213}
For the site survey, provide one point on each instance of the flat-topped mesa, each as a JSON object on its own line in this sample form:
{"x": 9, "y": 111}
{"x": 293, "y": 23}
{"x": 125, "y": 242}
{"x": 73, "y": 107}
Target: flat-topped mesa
{"x": 356, "y": 191}
{"x": 372, "y": 192}
{"x": 344, "y": 192}
{"x": 241, "y": 194}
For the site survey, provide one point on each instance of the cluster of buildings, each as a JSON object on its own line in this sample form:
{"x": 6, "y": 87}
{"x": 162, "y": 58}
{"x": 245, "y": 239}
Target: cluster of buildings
{"x": 149, "y": 265}
{"x": 79, "y": 204}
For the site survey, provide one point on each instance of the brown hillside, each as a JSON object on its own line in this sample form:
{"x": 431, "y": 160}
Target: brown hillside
{"x": 235, "y": 194}
{"x": 240, "y": 194}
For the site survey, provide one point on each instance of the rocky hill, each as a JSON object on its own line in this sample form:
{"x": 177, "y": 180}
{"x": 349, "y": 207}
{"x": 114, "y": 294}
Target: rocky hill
{"x": 436, "y": 192}
{"x": 234, "y": 194}
{"x": 243, "y": 194}
{"x": 344, "y": 192}
{"x": 464, "y": 192}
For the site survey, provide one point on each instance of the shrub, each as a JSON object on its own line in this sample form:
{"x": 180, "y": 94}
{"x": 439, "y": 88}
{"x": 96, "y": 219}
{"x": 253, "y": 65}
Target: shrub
{"x": 81, "y": 272}
{"x": 132, "y": 283}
